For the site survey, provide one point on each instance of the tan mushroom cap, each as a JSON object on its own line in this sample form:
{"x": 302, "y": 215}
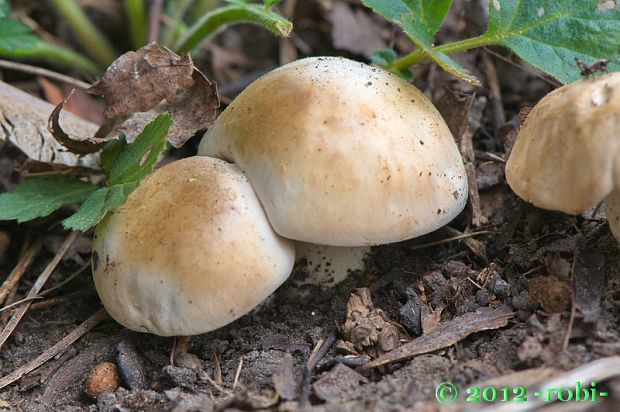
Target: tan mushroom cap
{"x": 341, "y": 153}
{"x": 567, "y": 154}
{"x": 190, "y": 251}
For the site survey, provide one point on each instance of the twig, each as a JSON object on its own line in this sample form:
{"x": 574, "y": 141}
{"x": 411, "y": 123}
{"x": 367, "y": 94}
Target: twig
{"x": 319, "y": 351}
{"x": 154, "y": 17}
{"x": 238, "y": 373}
{"x": 24, "y": 263}
{"x": 218, "y": 368}
{"x": 75, "y": 334}
{"x": 573, "y": 306}
{"x": 499, "y": 116}
{"x": 36, "y": 288}
{"x": 450, "y": 239}
{"x": 19, "y": 302}
{"x": 39, "y": 71}
{"x": 67, "y": 280}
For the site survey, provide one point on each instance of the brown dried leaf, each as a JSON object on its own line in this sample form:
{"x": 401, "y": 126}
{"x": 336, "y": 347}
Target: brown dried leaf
{"x": 447, "y": 334}
{"x": 139, "y": 80}
{"x": 75, "y": 144}
{"x": 193, "y": 110}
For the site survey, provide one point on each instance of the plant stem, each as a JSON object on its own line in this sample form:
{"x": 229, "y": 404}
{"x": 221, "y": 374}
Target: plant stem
{"x": 212, "y": 22}
{"x": 420, "y": 56}
{"x": 136, "y": 14}
{"x": 175, "y": 10}
{"x": 96, "y": 44}
{"x": 55, "y": 54}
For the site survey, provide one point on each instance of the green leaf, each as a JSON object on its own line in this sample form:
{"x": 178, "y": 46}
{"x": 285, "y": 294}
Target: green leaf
{"x": 98, "y": 204}
{"x": 549, "y": 34}
{"x": 421, "y": 19}
{"x": 15, "y": 35}
{"x": 238, "y": 12}
{"x": 270, "y": 3}
{"x": 40, "y": 197}
{"x": 384, "y": 57}
{"x": 5, "y": 9}
{"x": 139, "y": 158}
{"x": 110, "y": 153}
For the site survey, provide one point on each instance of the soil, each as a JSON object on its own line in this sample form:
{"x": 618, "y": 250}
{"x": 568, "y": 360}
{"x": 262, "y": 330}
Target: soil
{"x": 558, "y": 274}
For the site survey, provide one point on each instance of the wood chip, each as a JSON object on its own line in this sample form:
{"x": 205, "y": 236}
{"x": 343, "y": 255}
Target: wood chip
{"x": 447, "y": 334}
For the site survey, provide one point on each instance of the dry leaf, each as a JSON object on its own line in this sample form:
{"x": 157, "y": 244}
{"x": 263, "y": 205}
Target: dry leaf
{"x": 141, "y": 85}
{"x": 23, "y": 121}
{"x": 139, "y": 80}
{"x": 75, "y": 144}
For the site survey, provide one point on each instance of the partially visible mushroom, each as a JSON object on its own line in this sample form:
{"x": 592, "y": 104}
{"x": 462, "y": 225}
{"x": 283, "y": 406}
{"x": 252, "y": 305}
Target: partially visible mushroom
{"x": 342, "y": 154}
{"x": 567, "y": 154}
{"x": 190, "y": 251}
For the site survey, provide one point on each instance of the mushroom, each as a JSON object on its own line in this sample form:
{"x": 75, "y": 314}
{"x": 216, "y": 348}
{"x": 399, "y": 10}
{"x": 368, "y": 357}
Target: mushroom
{"x": 190, "y": 251}
{"x": 342, "y": 154}
{"x": 566, "y": 156}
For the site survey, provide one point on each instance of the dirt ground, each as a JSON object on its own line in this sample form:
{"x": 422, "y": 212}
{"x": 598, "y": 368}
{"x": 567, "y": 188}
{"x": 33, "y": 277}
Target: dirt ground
{"x": 559, "y": 275}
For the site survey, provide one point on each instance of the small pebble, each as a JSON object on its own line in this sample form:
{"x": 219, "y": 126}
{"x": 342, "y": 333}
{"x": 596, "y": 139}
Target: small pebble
{"x": 131, "y": 366}
{"x": 102, "y": 378}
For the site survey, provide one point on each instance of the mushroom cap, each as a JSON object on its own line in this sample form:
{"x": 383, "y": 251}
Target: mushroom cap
{"x": 190, "y": 251}
{"x": 343, "y": 154}
{"x": 567, "y": 153}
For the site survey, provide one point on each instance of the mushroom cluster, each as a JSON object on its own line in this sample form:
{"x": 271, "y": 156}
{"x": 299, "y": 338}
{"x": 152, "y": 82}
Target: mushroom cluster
{"x": 565, "y": 157}
{"x": 328, "y": 152}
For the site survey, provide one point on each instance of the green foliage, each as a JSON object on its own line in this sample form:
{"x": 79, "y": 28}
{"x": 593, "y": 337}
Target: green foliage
{"x": 137, "y": 160}
{"x": 549, "y": 34}
{"x": 421, "y": 19}
{"x": 125, "y": 165}
{"x": 98, "y": 205}
{"x": 40, "y": 197}
{"x": 385, "y": 57}
{"x": 18, "y": 40}
{"x": 237, "y": 12}
{"x": 270, "y": 3}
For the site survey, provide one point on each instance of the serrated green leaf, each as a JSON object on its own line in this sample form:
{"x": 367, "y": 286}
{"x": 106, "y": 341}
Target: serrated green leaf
{"x": 110, "y": 153}
{"x": 139, "y": 158}
{"x": 549, "y": 34}
{"x": 421, "y": 19}
{"x": 98, "y": 204}
{"x": 40, "y": 197}
{"x": 15, "y": 35}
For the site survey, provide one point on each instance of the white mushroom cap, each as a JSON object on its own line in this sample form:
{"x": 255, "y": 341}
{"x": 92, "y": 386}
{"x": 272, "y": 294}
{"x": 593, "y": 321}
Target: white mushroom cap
{"x": 567, "y": 154}
{"x": 190, "y": 251}
{"x": 341, "y": 153}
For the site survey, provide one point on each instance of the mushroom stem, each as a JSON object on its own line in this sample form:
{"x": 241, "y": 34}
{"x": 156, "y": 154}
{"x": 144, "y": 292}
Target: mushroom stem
{"x": 612, "y": 210}
{"x": 328, "y": 265}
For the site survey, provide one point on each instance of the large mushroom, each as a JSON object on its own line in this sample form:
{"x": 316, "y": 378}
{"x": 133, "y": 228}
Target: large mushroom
{"x": 190, "y": 251}
{"x": 567, "y": 153}
{"x": 342, "y": 154}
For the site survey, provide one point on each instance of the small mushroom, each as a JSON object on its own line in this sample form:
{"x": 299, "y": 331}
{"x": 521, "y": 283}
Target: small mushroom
{"x": 342, "y": 154}
{"x": 190, "y": 251}
{"x": 567, "y": 153}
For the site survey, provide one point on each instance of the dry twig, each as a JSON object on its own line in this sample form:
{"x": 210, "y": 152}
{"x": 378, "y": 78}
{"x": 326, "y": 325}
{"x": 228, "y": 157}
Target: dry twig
{"x": 36, "y": 288}
{"x": 61, "y": 346}
{"x": 39, "y": 71}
